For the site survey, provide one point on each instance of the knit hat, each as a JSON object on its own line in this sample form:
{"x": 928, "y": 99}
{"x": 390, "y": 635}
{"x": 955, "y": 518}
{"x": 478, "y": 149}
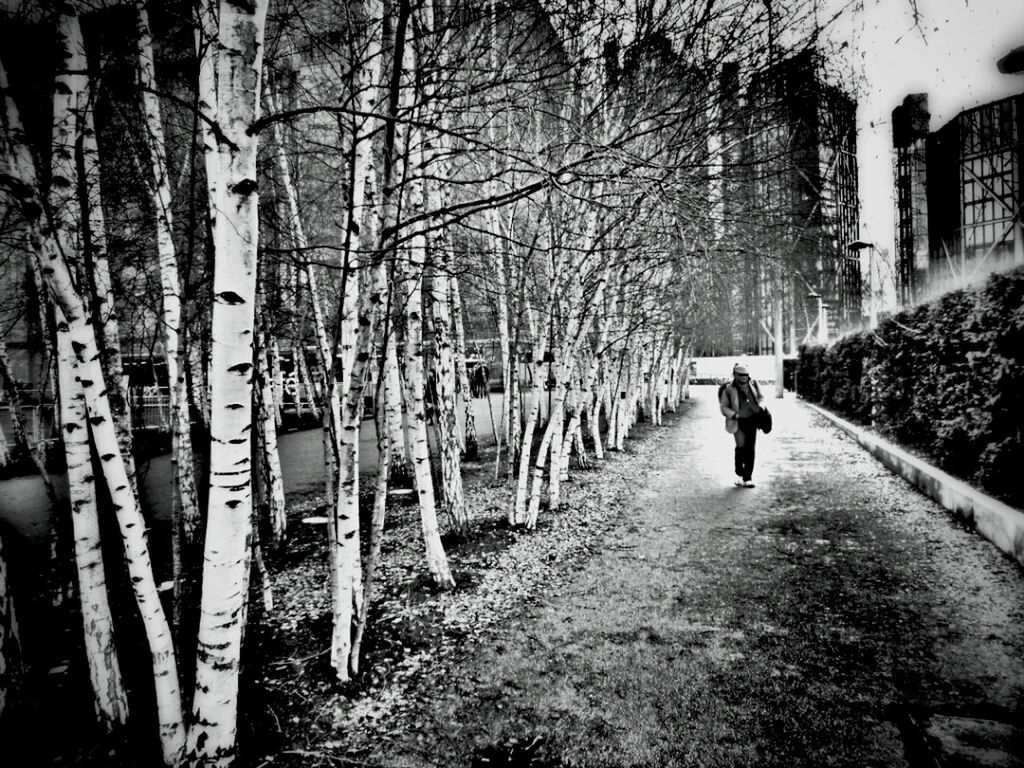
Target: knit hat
{"x": 740, "y": 370}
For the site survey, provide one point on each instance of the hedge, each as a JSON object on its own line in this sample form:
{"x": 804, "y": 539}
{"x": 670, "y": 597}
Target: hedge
{"x": 945, "y": 378}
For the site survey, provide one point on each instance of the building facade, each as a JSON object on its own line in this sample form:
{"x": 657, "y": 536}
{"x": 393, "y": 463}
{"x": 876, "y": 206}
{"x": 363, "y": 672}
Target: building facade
{"x": 790, "y": 207}
{"x": 958, "y": 193}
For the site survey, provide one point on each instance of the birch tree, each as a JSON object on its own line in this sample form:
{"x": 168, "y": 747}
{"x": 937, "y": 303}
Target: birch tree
{"x": 343, "y": 541}
{"x": 185, "y": 516}
{"x": 51, "y": 243}
{"x": 237, "y": 70}
{"x": 109, "y": 698}
{"x": 325, "y": 347}
{"x": 469, "y": 440}
{"x": 412, "y": 254}
{"x": 79, "y": 160}
{"x": 271, "y": 484}
{"x": 434, "y": 157}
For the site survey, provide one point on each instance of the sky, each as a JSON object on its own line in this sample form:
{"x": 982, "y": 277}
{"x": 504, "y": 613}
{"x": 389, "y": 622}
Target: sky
{"x": 951, "y": 55}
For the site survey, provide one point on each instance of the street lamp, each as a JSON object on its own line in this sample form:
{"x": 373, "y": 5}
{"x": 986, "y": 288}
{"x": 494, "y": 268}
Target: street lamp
{"x": 822, "y": 320}
{"x": 857, "y": 246}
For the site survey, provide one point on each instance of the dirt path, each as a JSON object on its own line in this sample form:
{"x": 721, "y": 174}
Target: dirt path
{"x": 823, "y": 618}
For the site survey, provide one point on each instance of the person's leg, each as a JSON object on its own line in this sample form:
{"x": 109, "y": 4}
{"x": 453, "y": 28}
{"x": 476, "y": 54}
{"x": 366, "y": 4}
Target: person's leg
{"x": 745, "y": 454}
{"x": 739, "y": 454}
{"x": 751, "y": 441}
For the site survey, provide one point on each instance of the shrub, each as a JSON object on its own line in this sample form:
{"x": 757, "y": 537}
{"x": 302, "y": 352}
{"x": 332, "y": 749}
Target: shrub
{"x": 946, "y": 378}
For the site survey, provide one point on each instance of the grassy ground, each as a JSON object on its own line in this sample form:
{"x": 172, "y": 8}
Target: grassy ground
{"x": 296, "y": 715}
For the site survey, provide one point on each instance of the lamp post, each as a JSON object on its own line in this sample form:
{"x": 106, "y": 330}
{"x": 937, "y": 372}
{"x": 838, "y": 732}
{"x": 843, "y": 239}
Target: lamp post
{"x": 857, "y": 246}
{"x": 822, "y": 320}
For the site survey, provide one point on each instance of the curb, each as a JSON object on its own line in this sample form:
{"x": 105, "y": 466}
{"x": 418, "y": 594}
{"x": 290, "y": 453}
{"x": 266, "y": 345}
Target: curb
{"x": 1000, "y": 523}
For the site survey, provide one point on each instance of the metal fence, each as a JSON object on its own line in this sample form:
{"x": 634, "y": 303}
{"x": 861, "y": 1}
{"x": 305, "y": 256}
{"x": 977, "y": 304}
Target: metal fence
{"x": 150, "y": 411}
{"x": 149, "y": 407}
{"x": 37, "y": 420}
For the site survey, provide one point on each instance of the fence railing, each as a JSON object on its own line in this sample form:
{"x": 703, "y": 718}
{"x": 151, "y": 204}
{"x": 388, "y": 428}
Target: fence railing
{"x": 150, "y": 411}
{"x": 37, "y": 420}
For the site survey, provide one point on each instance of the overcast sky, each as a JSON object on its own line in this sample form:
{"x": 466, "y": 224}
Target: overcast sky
{"x": 951, "y": 57}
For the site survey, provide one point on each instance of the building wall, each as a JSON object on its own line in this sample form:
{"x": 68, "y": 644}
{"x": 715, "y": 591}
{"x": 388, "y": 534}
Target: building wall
{"x": 910, "y": 138}
{"x": 806, "y": 200}
{"x": 958, "y": 200}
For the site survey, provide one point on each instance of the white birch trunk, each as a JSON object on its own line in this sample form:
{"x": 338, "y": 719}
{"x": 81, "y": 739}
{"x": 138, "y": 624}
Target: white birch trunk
{"x": 505, "y": 341}
{"x": 309, "y": 275}
{"x": 435, "y": 154}
{"x": 576, "y": 325}
{"x": 447, "y": 428}
{"x": 304, "y": 397}
{"x": 343, "y": 538}
{"x": 469, "y": 440}
{"x": 109, "y": 698}
{"x": 586, "y": 393}
{"x": 104, "y": 309}
{"x": 512, "y": 401}
{"x": 394, "y": 413}
{"x": 199, "y": 386}
{"x": 380, "y": 492}
{"x": 594, "y": 419}
{"x": 363, "y": 126}
{"x": 271, "y": 460}
{"x": 572, "y": 403}
{"x": 207, "y": 53}
{"x": 276, "y": 379}
{"x": 186, "y": 498}
{"x": 229, "y": 515}
{"x": 415, "y": 384}
{"x": 50, "y": 245}
{"x": 612, "y": 407}
{"x": 551, "y": 434}
{"x": 519, "y": 510}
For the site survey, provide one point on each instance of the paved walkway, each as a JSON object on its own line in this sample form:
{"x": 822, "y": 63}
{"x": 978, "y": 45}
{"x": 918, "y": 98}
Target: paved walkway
{"x": 831, "y": 616}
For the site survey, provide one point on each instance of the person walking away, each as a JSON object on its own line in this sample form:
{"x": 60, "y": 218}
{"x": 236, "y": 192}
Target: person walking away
{"x": 740, "y": 401}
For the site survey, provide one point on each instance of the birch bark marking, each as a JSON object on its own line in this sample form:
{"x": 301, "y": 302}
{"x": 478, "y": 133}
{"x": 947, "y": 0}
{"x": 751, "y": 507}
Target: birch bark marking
{"x": 185, "y": 500}
{"x": 229, "y": 516}
{"x": 109, "y": 697}
{"x": 50, "y": 244}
